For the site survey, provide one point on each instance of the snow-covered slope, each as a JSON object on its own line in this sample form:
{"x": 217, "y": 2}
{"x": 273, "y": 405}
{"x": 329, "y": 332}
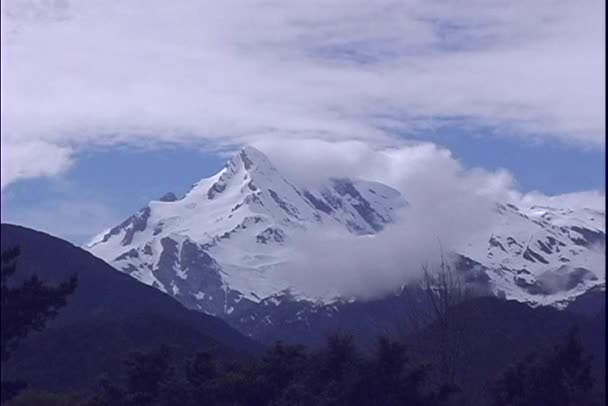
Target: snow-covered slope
{"x": 226, "y": 243}
{"x": 543, "y": 255}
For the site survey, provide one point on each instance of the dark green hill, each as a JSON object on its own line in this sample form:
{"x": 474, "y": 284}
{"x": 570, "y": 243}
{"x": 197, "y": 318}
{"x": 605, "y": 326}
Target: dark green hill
{"x": 109, "y": 315}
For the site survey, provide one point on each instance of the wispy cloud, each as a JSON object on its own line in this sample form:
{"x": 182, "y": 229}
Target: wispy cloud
{"x": 79, "y": 73}
{"x": 32, "y": 159}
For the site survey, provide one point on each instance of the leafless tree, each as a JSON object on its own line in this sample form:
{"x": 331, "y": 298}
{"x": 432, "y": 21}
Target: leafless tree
{"x": 433, "y": 323}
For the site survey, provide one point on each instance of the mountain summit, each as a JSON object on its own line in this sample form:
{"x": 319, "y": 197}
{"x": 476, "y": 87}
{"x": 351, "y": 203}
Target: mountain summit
{"x": 227, "y": 244}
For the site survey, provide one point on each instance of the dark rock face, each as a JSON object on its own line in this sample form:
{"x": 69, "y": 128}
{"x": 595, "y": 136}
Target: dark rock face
{"x": 553, "y": 242}
{"x": 345, "y": 187}
{"x": 132, "y": 253}
{"x": 248, "y": 163}
{"x": 512, "y": 242}
{"x": 544, "y": 248}
{"x": 131, "y": 225}
{"x": 287, "y": 207}
{"x": 590, "y": 237}
{"x": 318, "y": 204}
{"x": 191, "y": 276}
{"x": 158, "y": 229}
{"x": 532, "y": 256}
{"x": 138, "y": 223}
{"x": 186, "y": 272}
{"x": 215, "y": 189}
{"x": 334, "y": 202}
{"x": 167, "y": 263}
{"x": 550, "y": 245}
{"x": 495, "y": 243}
{"x": 270, "y": 235}
{"x": 168, "y": 197}
{"x": 201, "y": 275}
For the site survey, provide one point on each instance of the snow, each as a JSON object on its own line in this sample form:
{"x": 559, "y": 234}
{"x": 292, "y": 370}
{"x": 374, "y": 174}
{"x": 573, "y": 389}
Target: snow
{"x": 535, "y": 228}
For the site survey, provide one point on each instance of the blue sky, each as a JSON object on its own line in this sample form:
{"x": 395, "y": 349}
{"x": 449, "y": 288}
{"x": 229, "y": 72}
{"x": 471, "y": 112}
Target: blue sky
{"x": 548, "y": 167}
{"x": 105, "y": 104}
{"x": 108, "y": 185}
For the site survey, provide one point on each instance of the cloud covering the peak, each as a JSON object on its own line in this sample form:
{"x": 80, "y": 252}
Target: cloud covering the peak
{"x": 449, "y": 206}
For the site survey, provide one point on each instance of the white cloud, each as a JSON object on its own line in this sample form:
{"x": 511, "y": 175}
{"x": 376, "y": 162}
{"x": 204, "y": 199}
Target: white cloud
{"x": 449, "y": 206}
{"x": 32, "y": 159}
{"x": 77, "y": 73}
{"x": 416, "y": 169}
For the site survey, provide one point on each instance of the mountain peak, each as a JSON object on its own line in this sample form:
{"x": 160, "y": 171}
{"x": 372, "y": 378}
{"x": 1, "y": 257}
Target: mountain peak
{"x": 253, "y": 153}
{"x": 246, "y": 170}
{"x": 250, "y": 159}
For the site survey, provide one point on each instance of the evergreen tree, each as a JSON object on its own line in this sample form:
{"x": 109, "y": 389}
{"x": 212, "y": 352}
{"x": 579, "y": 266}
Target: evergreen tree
{"x": 107, "y": 394}
{"x": 560, "y": 378}
{"x": 25, "y": 307}
{"x": 201, "y": 374}
{"x": 286, "y": 375}
{"x": 146, "y": 373}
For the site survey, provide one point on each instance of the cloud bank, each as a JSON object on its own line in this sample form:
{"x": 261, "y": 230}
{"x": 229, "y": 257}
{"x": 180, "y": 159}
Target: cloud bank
{"x": 82, "y": 73}
{"x": 448, "y": 205}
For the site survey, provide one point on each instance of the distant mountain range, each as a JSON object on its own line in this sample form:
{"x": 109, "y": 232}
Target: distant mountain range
{"x": 225, "y": 248}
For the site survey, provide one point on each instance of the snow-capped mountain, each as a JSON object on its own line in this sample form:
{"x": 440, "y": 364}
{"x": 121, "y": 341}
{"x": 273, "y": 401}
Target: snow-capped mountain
{"x": 228, "y": 238}
{"x": 225, "y": 247}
